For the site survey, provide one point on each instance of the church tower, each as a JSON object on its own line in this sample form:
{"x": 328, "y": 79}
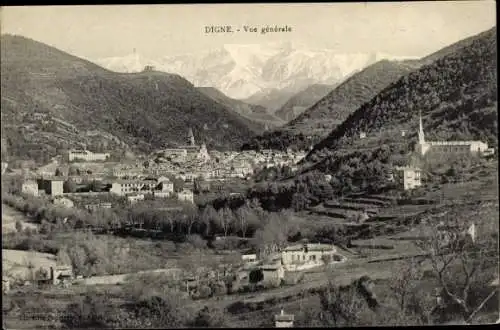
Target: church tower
{"x": 421, "y": 137}
{"x": 422, "y": 146}
{"x": 191, "y": 138}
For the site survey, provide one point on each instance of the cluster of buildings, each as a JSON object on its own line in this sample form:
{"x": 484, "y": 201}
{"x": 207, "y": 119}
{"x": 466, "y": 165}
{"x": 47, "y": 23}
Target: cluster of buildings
{"x": 410, "y": 177}
{"x": 192, "y": 161}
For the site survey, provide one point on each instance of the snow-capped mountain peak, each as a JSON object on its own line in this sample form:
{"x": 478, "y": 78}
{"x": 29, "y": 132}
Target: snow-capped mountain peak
{"x": 241, "y": 70}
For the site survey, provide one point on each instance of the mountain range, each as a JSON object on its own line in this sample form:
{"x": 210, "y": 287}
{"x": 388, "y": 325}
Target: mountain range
{"x": 52, "y": 100}
{"x": 244, "y": 71}
{"x": 315, "y": 123}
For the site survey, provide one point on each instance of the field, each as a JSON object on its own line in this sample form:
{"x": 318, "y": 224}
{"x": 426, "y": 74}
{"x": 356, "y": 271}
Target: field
{"x": 15, "y": 263}
{"x": 9, "y": 218}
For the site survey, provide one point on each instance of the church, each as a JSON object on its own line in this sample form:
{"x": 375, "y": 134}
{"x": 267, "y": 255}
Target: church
{"x": 449, "y": 147}
{"x": 190, "y": 151}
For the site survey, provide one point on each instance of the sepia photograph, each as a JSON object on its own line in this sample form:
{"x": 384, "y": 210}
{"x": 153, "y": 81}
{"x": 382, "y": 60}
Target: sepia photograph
{"x": 249, "y": 165}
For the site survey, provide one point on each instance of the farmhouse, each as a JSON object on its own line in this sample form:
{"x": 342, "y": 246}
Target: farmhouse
{"x": 305, "y": 256}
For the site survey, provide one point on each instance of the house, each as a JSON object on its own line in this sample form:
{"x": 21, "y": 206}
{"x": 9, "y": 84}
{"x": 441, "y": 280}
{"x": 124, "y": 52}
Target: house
{"x": 61, "y": 274}
{"x": 306, "y": 256}
{"x": 186, "y": 195}
{"x": 30, "y": 187}
{"x": 52, "y": 186}
{"x": 408, "y": 177}
{"x": 283, "y": 320}
{"x": 272, "y": 273}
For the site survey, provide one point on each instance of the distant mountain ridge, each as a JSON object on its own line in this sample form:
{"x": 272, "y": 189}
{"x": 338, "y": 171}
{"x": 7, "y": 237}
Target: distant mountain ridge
{"x": 301, "y": 101}
{"x": 252, "y": 112}
{"x": 139, "y": 111}
{"x": 240, "y": 71}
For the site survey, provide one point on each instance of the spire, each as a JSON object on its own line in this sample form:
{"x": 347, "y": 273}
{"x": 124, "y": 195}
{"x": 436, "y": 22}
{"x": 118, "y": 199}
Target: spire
{"x": 191, "y": 137}
{"x": 421, "y": 137}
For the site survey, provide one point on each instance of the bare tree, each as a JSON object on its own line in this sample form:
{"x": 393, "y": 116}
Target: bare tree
{"x": 456, "y": 262}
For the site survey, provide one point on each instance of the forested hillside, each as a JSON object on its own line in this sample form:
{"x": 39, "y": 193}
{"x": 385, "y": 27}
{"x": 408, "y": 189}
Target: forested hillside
{"x": 457, "y": 96}
{"x": 78, "y": 100}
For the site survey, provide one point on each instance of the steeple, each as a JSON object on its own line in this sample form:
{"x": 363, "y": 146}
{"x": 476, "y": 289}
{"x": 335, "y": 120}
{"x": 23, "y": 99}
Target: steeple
{"x": 421, "y": 137}
{"x": 191, "y": 138}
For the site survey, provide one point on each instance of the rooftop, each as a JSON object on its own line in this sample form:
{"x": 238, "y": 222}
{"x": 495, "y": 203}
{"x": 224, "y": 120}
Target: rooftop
{"x": 310, "y": 247}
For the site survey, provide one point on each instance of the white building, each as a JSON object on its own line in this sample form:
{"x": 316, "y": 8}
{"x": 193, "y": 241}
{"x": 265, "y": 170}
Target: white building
{"x": 306, "y": 256}
{"x": 409, "y": 177}
{"x": 452, "y": 147}
{"x": 124, "y": 187}
{"x": 86, "y": 155}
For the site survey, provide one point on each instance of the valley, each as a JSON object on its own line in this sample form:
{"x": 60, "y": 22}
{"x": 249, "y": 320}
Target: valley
{"x": 271, "y": 184}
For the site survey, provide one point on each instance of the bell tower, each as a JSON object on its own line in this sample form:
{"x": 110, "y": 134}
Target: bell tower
{"x": 421, "y": 137}
{"x": 191, "y": 138}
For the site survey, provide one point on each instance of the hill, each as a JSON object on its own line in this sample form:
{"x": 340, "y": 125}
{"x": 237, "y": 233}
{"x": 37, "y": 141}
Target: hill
{"x": 72, "y": 102}
{"x": 252, "y": 112}
{"x": 456, "y": 95}
{"x": 298, "y": 103}
{"x": 271, "y": 98}
{"x": 316, "y": 122}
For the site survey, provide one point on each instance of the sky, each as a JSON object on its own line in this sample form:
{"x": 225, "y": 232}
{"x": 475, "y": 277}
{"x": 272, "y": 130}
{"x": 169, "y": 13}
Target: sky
{"x": 399, "y": 29}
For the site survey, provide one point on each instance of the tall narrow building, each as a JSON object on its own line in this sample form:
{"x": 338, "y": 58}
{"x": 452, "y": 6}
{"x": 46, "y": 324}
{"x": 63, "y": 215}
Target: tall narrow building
{"x": 192, "y": 142}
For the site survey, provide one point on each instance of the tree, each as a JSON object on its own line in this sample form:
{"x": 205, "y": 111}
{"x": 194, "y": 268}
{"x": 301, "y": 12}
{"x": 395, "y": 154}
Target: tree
{"x": 341, "y": 306}
{"x": 58, "y": 172}
{"x": 63, "y": 257}
{"x": 19, "y": 226}
{"x": 69, "y": 186}
{"x": 73, "y": 170}
{"x": 210, "y": 317}
{"x": 226, "y": 218}
{"x": 91, "y": 312}
{"x": 209, "y": 216}
{"x": 456, "y": 262}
